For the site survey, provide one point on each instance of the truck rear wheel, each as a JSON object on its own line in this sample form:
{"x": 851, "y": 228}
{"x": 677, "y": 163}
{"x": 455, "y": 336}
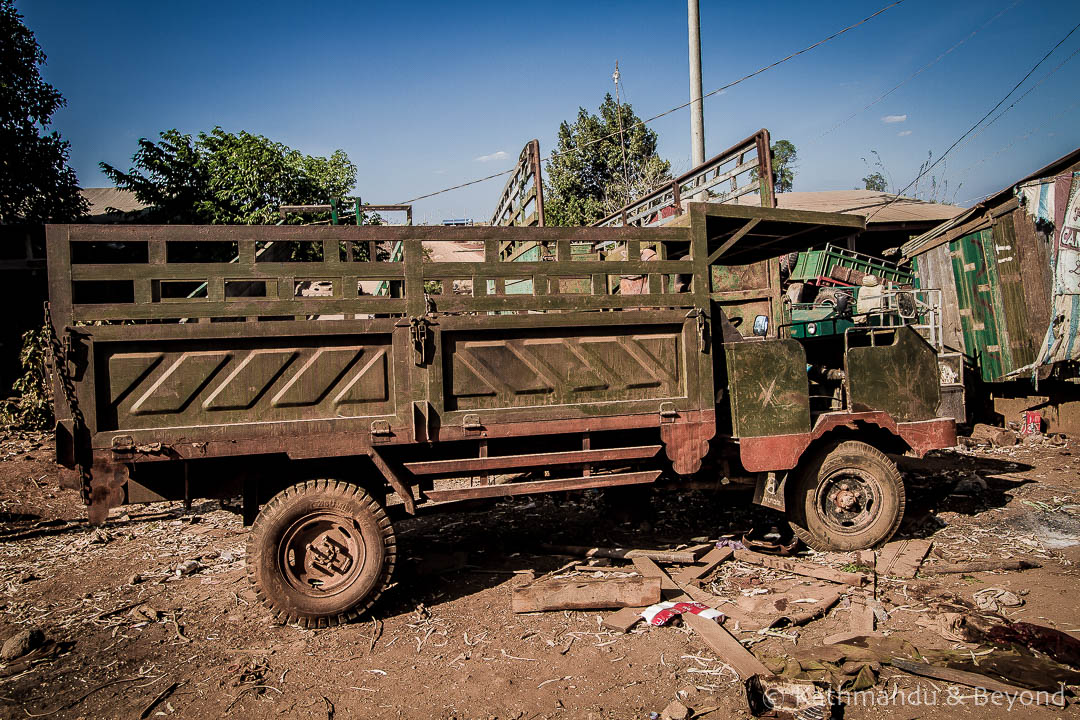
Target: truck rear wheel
{"x": 850, "y": 496}
{"x": 320, "y": 553}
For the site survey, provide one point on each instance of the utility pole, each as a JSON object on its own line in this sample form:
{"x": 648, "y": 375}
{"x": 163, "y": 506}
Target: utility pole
{"x": 622, "y": 139}
{"x": 697, "y": 114}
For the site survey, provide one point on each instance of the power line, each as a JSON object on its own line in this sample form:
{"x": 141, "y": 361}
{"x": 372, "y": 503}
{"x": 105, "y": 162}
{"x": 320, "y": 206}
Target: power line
{"x": 972, "y": 128}
{"x": 918, "y": 72}
{"x": 685, "y": 105}
{"x": 1015, "y": 140}
{"x": 1017, "y": 101}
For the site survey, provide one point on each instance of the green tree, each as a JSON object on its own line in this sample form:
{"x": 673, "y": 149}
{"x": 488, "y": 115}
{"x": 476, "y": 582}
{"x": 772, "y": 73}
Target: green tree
{"x": 587, "y": 177}
{"x": 875, "y": 181}
{"x": 36, "y": 183}
{"x": 225, "y": 178}
{"x": 784, "y": 164}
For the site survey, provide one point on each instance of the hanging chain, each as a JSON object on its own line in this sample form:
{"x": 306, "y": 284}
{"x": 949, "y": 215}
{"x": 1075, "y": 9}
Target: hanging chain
{"x": 60, "y": 352}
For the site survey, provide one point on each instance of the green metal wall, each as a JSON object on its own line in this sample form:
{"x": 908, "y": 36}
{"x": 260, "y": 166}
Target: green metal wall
{"x": 990, "y": 296}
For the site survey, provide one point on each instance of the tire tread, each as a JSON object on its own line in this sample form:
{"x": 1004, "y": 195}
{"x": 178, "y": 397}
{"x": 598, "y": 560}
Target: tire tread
{"x": 275, "y": 505}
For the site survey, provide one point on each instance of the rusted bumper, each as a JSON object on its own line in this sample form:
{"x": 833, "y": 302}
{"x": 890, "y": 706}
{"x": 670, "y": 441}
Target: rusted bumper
{"x": 782, "y": 452}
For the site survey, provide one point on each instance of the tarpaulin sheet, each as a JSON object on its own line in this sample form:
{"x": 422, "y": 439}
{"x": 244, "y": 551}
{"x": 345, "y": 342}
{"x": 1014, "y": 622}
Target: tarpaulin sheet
{"x": 1060, "y": 343}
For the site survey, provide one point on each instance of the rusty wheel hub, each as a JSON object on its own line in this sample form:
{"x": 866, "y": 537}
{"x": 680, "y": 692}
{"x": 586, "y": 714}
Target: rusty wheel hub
{"x": 321, "y": 554}
{"x": 848, "y": 500}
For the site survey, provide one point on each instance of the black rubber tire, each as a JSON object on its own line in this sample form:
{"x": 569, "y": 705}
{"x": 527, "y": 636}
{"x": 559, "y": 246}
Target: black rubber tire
{"x": 303, "y": 502}
{"x": 839, "y": 465}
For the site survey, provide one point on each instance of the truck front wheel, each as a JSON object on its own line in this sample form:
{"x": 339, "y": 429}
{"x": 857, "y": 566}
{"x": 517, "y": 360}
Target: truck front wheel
{"x": 320, "y": 553}
{"x": 849, "y": 496}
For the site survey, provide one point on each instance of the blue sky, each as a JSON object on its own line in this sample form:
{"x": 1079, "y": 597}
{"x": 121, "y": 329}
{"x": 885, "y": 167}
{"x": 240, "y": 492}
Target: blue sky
{"x": 421, "y": 94}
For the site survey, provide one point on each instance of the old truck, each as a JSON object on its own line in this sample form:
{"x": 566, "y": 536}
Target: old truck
{"x": 333, "y": 415}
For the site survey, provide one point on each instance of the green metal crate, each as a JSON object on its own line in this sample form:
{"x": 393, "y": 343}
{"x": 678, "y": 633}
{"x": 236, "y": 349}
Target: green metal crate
{"x": 813, "y": 264}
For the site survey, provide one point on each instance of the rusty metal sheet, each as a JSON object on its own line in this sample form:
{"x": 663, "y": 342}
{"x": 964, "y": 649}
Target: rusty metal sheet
{"x": 774, "y": 453}
{"x": 767, "y": 387}
{"x": 543, "y": 368}
{"x": 898, "y": 374}
{"x": 227, "y": 381}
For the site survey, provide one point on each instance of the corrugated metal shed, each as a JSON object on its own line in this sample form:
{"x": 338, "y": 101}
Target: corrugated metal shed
{"x": 103, "y": 199}
{"x": 995, "y": 264}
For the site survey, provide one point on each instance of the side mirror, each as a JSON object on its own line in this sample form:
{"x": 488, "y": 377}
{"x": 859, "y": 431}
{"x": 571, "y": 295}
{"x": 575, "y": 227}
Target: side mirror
{"x": 905, "y": 304}
{"x": 761, "y": 325}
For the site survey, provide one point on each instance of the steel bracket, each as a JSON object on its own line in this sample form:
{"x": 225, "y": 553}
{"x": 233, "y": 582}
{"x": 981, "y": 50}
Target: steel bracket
{"x": 471, "y": 423}
{"x": 380, "y": 430}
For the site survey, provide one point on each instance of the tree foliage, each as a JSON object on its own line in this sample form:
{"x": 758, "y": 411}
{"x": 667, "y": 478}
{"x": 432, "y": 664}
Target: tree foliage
{"x": 875, "y": 181}
{"x": 33, "y": 410}
{"x": 36, "y": 183}
{"x": 784, "y": 164}
{"x": 587, "y": 177}
{"x": 224, "y": 178}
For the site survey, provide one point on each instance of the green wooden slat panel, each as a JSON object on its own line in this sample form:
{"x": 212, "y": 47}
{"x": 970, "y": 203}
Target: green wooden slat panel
{"x": 976, "y": 305}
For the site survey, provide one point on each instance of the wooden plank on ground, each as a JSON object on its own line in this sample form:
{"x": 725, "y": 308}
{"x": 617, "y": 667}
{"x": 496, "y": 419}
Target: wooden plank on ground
{"x": 800, "y": 568}
{"x": 979, "y": 566}
{"x": 962, "y": 677}
{"x": 648, "y": 568}
{"x": 726, "y": 646}
{"x": 731, "y": 610}
{"x": 586, "y": 594}
{"x": 705, "y": 566}
{"x": 862, "y": 617}
{"x": 623, "y": 620}
{"x": 668, "y": 556}
{"x": 902, "y": 558}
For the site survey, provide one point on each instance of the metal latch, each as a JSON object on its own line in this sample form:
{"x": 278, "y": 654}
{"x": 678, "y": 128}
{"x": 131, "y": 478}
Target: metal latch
{"x": 418, "y": 333}
{"x": 380, "y": 429}
{"x": 123, "y": 443}
{"x": 668, "y": 413}
{"x": 700, "y": 317}
{"x": 471, "y": 423}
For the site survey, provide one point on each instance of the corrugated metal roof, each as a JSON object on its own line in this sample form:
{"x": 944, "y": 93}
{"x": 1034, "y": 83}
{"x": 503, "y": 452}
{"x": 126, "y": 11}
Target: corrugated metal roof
{"x": 101, "y": 199}
{"x": 865, "y": 202}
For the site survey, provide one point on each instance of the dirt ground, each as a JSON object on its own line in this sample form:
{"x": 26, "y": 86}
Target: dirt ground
{"x": 156, "y": 606}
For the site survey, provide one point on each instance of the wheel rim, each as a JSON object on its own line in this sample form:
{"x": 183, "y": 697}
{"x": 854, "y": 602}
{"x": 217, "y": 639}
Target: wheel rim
{"x": 848, "y": 501}
{"x": 321, "y": 554}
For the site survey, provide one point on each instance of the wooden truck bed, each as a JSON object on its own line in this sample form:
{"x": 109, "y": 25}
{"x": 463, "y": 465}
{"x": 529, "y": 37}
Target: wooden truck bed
{"x": 192, "y": 343}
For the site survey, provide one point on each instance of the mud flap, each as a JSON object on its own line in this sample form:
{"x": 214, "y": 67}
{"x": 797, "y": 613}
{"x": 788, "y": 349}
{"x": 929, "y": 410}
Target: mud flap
{"x": 769, "y": 491}
{"x": 106, "y": 491}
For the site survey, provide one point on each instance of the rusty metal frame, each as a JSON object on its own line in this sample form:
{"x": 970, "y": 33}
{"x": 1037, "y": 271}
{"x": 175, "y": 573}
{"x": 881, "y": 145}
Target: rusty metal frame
{"x": 524, "y": 186}
{"x": 743, "y": 166}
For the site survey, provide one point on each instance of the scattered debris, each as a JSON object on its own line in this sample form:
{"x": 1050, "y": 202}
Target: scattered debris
{"x": 661, "y": 613}
{"x": 724, "y": 644}
{"x": 675, "y": 710}
{"x": 972, "y": 679}
{"x": 774, "y": 696}
{"x": 800, "y": 568}
{"x": 668, "y": 556}
{"x": 902, "y": 558}
{"x": 188, "y": 567}
{"x": 21, "y": 643}
{"x": 978, "y": 566}
{"x": 996, "y": 599}
{"x": 705, "y": 566}
{"x": 996, "y": 436}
